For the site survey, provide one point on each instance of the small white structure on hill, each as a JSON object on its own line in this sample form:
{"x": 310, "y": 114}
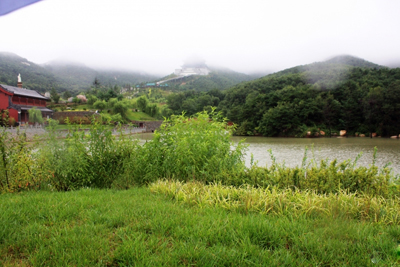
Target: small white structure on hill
{"x": 192, "y": 71}
{"x": 193, "y": 66}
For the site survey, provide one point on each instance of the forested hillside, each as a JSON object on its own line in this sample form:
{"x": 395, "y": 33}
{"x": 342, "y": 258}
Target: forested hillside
{"x": 344, "y": 93}
{"x": 63, "y": 76}
{"x": 217, "y": 79}
{"x": 33, "y": 76}
{"x": 332, "y": 95}
{"x": 80, "y": 77}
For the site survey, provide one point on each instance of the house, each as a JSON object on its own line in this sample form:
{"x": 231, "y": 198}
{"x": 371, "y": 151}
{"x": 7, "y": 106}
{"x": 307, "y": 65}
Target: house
{"x": 18, "y": 101}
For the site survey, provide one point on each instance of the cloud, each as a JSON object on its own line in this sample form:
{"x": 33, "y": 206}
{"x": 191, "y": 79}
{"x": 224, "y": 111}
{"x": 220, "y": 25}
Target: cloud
{"x": 158, "y": 36}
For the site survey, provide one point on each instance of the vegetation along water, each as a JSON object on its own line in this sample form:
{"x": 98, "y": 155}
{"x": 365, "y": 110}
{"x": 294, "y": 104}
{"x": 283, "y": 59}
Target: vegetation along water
{"x": 187, "y": 197}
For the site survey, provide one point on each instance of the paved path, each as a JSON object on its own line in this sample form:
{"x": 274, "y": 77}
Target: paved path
{"x": 32, "y": 131}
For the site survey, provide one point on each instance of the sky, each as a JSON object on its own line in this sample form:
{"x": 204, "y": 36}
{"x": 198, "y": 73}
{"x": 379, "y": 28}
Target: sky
{"x": 157, "y": 36}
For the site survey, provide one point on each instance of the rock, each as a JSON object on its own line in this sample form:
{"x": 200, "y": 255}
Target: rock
{"x": 334, "y": 134}
{"x": 343, "y": 132}
{"x": 374, "y": 134}
{"x": 322, "y": 132}
{"x": 394, "y": 137}
{"x": 308, "y": 133}
{"x": 362, "y": 135}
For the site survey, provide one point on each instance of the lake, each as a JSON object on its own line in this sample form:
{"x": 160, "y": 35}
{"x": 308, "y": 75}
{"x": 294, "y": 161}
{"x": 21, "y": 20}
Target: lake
{"x": 291, "y": 150}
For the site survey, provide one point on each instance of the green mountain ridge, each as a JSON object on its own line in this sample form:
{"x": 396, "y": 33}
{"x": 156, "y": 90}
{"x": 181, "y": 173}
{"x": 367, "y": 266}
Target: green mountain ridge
{"x": 218, "y": 78}
{"x": 63, "y": 76}
{"x": 344, "y": 92}
{"x": 33, "y": 75}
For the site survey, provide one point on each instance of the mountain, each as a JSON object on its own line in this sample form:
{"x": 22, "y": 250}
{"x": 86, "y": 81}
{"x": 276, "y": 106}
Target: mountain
{"x": 327, "y": 74}
{"x": 341, "y": 93}
{"x": 218, "y": 78}
{"x": 62, "y": 75}
{"x": 33, "y": 75}
{"x": 80, "y": 77}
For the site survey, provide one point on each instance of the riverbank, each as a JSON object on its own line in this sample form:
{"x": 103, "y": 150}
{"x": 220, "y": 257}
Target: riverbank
{"x": 41, "y": 133}
{"x": 92, "y": 227}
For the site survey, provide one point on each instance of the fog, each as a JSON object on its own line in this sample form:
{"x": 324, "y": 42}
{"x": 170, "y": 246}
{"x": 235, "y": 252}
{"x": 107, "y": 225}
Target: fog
{"x": 158, "y": 36}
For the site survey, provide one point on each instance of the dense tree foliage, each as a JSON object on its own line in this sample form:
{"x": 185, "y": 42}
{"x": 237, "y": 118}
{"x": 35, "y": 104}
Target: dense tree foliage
{"x": 217, "y": 79}
{"x": 193, "y": 101}
{"x": 333, "y": 97}
{"x": 344, "y": 93}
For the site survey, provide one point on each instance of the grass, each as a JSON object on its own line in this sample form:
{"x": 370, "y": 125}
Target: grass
{"x": 296, "y": 203}
{"x": 136, "y": 227}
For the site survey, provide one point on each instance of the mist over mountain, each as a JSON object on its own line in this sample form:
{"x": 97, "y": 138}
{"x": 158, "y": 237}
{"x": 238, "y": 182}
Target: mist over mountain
{"x": 80, "y": 77}
{"x": 218, "y": 78}
{"x": 344, "y": 92}
{"x": 33, "y": 75}
{"x": 62, "y": 75}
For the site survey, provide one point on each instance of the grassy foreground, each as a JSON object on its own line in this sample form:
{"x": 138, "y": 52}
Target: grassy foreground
{"x": 93, "y": 227}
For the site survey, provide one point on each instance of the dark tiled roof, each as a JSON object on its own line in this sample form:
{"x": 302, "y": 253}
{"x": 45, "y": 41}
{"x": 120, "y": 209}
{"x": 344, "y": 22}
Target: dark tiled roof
{"x": 43, "y": 109}
{"x": 23, "y": 92}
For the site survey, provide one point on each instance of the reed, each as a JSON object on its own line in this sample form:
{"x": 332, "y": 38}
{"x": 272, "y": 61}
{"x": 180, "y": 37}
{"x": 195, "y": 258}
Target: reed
{"x": 284, "y": 202}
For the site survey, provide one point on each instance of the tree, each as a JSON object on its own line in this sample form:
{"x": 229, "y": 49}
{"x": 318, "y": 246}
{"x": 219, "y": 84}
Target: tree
{"x": 35, "y": 115}
{"x": 142, "y": 103}
{"x": 91, "y": 99}
{"x": 112, "y": 102}
{"x": 120, "y": 108}
{"x": 331, "y": 109}
{"x": 96, "y": 83}
{"x": 76, "y": 100}
{"x": 54, "y": 95}
{"x": 67, "y": 95}
{"x": 373, "y": 114}
{"x": 110, "y": 94}
{"x": 100, "y": 105}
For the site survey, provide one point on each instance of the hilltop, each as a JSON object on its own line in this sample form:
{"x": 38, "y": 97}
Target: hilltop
{"x": 341, "y": 93}
{"x": 33, "y": 75}
{"x": 80, "y": 77}
{"x": 62, "y": 75}
{"x": 217, "y": 78}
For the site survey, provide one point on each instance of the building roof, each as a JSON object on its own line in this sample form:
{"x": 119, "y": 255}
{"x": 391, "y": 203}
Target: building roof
{"x": 23, "y": 92}
{"x": 43, "y": 109}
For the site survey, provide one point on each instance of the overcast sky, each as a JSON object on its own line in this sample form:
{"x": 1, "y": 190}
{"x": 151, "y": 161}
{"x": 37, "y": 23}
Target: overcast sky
{"x": 156, "y": 36}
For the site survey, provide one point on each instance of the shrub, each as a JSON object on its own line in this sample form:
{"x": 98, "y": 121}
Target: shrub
{"x": 81, "y": 160}
{"x": 18, "y": 170}
{"x": 35, "y": 115}
{"x": 196, "y": 148}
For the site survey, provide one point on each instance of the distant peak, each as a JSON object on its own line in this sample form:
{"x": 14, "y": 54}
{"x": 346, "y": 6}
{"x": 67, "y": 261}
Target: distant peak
{"x": 352, "y": 61}
{"x": 9, "y": 54}
{"x": 64, "y": 62}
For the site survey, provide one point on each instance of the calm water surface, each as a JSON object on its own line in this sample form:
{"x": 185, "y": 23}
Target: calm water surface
{"x": 291, "y": 150}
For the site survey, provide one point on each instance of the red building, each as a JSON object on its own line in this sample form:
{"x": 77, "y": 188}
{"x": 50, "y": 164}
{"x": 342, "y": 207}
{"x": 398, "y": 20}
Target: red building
{"x": 18, "y": 101}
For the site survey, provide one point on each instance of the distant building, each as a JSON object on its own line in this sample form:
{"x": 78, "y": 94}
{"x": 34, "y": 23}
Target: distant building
{"x": 191, "y": 71}
{"x": 18, "y": 101}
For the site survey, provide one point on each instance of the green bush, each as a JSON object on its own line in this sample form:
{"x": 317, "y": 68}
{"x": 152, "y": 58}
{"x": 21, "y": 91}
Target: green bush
{"x": 18, "y": 170}
{"x": 93, "y": 159}
{"x": 196, "y": 148}
{"x": 35, "y": 115}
